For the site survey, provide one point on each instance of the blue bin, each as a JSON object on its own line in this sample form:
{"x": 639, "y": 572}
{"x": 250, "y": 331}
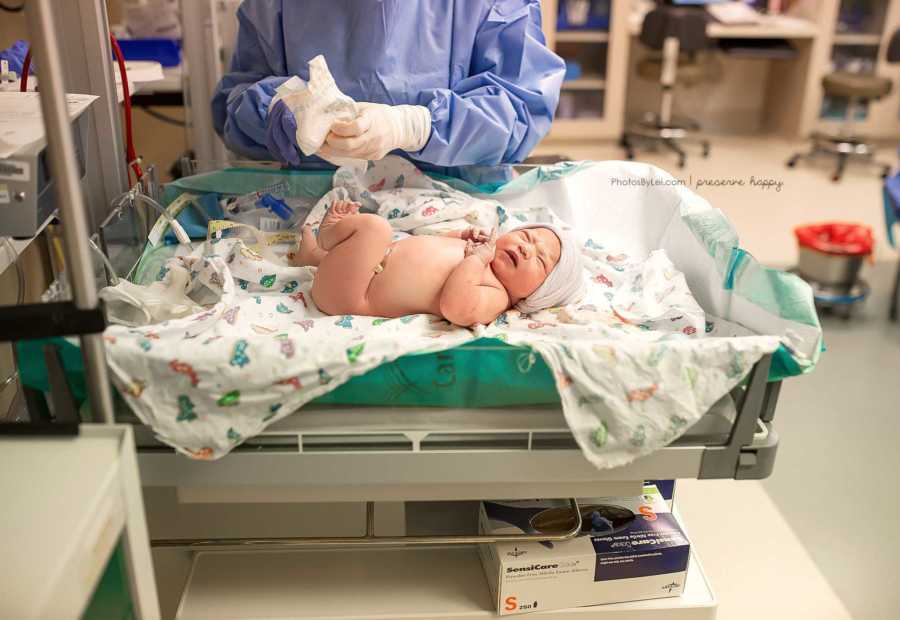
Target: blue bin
{"x": 597, "y": 18}
{"x": 166, "y": 52}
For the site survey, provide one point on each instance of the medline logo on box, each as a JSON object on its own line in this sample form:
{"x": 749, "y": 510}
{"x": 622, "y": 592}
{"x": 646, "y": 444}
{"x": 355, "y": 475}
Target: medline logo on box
{"x": 669, "y": 587}
{"x": 520, "y": 569}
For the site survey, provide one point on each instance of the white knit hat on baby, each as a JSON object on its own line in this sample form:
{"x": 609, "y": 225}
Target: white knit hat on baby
{"x": 565, "y": 284}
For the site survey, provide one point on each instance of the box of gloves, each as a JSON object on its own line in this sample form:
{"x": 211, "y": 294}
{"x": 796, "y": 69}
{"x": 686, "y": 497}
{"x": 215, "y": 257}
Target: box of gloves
{"x": 629, "y": 549}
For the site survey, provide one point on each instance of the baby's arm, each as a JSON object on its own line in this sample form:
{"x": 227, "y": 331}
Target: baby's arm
{"x": 466, "y": 299}
{"x": 470, "y": 234}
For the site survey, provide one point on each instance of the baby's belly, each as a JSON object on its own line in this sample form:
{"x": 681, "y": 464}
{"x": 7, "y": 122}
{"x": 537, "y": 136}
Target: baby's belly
{"x": 414, "y": 275}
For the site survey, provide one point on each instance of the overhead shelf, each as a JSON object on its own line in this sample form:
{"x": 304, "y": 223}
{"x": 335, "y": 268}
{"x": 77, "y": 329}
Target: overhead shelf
{"x": 582, "y": 36}
{"x": 856, "y": 38}
{"x": 586, "y": 83}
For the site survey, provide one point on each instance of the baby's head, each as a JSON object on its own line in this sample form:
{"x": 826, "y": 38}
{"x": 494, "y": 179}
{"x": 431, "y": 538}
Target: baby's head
{"x": 539, "y": 265}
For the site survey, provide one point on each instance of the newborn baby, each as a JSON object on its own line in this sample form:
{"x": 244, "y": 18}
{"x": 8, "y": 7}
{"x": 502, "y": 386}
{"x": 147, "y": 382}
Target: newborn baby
{"x": 468, "y": 277}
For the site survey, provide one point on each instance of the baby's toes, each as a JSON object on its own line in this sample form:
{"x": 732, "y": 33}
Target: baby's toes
{"x": 344, "y": 207}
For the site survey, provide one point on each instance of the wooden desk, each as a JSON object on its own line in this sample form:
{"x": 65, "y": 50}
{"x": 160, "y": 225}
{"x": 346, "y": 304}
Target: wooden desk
{"x": 770, "y": 27}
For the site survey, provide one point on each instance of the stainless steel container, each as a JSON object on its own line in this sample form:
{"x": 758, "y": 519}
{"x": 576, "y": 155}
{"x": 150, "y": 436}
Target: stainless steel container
{"x": 830, "y": 269}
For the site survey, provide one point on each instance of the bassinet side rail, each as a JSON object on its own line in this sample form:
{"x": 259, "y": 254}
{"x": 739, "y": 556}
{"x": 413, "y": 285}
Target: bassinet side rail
{"x": 739, "y": 458}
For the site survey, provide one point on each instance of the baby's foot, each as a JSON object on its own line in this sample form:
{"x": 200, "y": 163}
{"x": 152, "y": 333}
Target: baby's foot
{"x": 328, "y": 234}
{"x": 338, "y": 211}
{"x": 309, "y": 254}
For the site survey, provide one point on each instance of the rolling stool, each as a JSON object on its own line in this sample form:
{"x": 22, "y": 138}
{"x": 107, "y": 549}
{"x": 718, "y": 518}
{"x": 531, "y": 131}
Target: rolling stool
{"x": 678, "y": 32}
{"x": 857, "y": 88}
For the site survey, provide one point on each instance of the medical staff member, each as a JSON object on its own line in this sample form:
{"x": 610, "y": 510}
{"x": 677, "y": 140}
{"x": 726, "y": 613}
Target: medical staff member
{"x": 448, "y": 82}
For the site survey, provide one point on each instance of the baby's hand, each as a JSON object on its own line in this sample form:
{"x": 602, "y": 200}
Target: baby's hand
{"x": 479, "y": 235}
{"x": 484, "y": 250}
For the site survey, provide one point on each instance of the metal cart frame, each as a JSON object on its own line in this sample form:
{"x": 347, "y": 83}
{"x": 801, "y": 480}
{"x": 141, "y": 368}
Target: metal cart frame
{"x": 334, "y": 454}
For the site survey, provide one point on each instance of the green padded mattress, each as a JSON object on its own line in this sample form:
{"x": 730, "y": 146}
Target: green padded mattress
{"x": 484, "y": 373}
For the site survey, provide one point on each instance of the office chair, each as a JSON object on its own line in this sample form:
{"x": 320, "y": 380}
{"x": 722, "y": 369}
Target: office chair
{"x": 857, "y": 89}
{"x": 678, "y": 33}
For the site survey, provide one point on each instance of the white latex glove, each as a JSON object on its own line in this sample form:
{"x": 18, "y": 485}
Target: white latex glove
{"x": 378, "y": 130}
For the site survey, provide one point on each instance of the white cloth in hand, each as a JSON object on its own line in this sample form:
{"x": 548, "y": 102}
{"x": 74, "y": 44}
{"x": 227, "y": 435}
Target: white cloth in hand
{"x": 316, "y": 105}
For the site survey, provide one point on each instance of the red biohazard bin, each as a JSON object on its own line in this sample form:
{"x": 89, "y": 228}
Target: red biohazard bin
{"x": 832, "y": 253}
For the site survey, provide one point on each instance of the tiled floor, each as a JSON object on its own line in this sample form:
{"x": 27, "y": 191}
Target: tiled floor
{"x": 830, "y": 507}
{"x": 835, "y": 483}
{"x": 752, "y": 556}
{"x": 836, "y": 477}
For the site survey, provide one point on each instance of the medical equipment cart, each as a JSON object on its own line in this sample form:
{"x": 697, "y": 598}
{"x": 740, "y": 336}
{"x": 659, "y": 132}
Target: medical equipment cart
{"x": 72, "y": 530}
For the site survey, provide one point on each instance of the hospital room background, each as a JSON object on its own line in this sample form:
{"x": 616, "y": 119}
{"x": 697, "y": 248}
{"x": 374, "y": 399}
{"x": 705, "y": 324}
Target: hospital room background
{"x": 752, "y": 146}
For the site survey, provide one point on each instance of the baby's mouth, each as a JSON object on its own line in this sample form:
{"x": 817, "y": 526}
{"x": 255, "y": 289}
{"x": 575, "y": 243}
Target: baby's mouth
{"x": 512, "y": 257}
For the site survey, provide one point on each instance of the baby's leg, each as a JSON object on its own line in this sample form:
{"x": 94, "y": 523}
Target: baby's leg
{"x": 309, "y": 254}
{"x": 330, "y": 233}
{"x": 356, "y": 244}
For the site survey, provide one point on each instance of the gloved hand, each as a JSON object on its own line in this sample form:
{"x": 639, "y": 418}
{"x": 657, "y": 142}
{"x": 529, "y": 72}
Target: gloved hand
{"x": 378, "y": 130}
{"x": 281, "y": 134}
{"x": 15, "y": 55}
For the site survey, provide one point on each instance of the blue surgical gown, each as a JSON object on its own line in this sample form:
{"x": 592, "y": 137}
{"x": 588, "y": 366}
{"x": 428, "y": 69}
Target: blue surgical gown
{"x": 481, "y": 67}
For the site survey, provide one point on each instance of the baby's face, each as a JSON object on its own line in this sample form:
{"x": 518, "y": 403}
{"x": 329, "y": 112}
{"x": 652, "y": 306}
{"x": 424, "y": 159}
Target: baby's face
{"x": 524, "y": 259}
